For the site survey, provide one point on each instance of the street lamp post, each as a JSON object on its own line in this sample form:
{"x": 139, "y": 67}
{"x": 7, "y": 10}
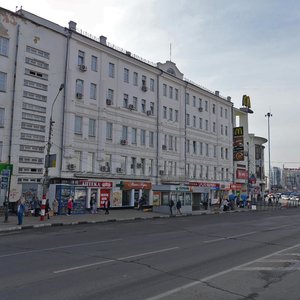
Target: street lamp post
{"x": 47, "y": 158}
{"x": 269, "y": 147}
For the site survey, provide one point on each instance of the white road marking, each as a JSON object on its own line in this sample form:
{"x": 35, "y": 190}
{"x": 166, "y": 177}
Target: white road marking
{"x": 57, "y": 248}
{"x": 229, "y": 237}
{"x": 208, "y": 278}
{"x": 114, "y": 260}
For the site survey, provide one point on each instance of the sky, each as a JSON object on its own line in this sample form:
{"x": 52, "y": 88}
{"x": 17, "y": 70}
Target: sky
{"x": 234, "y": 46}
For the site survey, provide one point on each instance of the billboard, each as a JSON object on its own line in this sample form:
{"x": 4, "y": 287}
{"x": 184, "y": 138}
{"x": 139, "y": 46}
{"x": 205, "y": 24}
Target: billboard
{"x": 238, "y": 144}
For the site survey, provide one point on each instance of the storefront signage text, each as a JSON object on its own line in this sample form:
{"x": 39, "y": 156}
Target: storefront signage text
{"x": 95, "y": 183}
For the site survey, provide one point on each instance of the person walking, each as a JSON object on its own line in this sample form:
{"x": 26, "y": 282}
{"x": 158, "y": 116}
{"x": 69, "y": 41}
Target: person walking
{"x": 178, "y": 206}
{"x": 47, "y": 209}
{"x": 55, "y": 207}
{"x": 171, "y": 204}
{"x": 21, "y": 210}
{"x": 106, "y": 206}
{"x": 94, "y": 206}
{"x": 70, "y": 206}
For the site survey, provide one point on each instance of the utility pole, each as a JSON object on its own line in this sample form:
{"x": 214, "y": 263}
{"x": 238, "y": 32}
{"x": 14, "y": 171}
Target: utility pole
{"x": 49, "y": 144}
{"x": 269, "y": 147}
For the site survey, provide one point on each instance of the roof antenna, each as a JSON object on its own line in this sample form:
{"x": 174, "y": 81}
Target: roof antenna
{"x": 16, "y": 8}
{"x": 170, "y": 52}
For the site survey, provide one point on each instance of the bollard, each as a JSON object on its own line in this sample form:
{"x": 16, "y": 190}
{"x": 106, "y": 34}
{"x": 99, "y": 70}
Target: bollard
{"x": 42, "y": 217}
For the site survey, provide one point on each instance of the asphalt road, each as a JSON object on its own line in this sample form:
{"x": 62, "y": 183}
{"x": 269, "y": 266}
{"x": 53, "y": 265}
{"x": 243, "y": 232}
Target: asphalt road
{"x": 249, "y": 255}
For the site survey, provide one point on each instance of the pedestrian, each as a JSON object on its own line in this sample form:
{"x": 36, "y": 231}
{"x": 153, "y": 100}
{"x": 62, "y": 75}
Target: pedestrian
{"x": 171, "y": 204}
{"x": 47, "y": 209}
{"x": 94, "y": 206}
{"x": 21, "y": 210}
{"x": 55, "y": 207}
{"x": 140, "y": 203}
{"x": 106, "y": 206}
{"x": 70, "y": 206}
{"x": 178, "y": 206}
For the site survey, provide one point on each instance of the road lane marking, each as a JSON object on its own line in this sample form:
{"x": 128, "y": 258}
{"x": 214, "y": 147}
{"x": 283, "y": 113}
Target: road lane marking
{"x": 114, "y": 260}
{"x": 229, "y": 237}
{"x": 60, "y": 247}
{"x": 208, "y": 278}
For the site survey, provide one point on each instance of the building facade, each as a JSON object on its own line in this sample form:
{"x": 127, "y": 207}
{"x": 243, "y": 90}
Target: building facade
{"x": 122, "y": 127}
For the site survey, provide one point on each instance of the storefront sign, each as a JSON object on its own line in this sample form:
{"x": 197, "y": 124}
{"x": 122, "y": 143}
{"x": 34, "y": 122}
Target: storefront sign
{"x": 212, "y": 185}
{"x": 156, "y": 198}
{"x": 104, "y": 195}
{"x": 183, "y": 189}
{"x": 241, "y": 174}
{"x": 236, "y": 186}
{"x": 132, "y": 185}
{"x": 95, "y": 183}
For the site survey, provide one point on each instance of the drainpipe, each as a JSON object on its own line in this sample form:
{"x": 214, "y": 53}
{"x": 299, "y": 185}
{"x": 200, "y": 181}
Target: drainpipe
{"x": 185, "y": 110}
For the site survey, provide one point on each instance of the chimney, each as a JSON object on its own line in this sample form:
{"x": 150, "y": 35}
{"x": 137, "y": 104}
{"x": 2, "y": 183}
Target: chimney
{"x": 103, "y": 39}
{"x": 228, "y": 98}
{"x": 217, "y": 93}
{"x": 72, "y": 25}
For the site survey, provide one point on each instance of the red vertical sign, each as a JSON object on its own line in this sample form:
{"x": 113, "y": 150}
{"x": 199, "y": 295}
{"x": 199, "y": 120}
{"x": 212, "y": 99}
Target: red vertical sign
{"x": 104, "y": 195}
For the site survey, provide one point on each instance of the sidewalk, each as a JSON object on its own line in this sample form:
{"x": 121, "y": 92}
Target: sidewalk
{"x": 30, "y": 222}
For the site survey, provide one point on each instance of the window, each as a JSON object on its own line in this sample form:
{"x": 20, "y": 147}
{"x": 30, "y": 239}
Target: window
{"x": 36, "y": 74}
{"x": 109, "y": 129}
{"x": 214, "y": 108}
{"x": 194, "y": 147}
{"x": 170, "y": 92}
{"x": 150, "y": 172}
{"x": 38, "y": 52}
{"x": 125, "y": 100}
{"x": 143, "y": 163}
{"x": 94, "y": 63}
{"x": 207, "y": 149}
{"x": 133, "y": 165}
{"x": 207, "y": 172}
{"x": 78, "y": 159}
{"x": 206, "y": 125}
{"x": 143, "y": 105}
{"x": 80, "y": 58}
{"x": 206, "y": 105}
{"x": 34, "y": 96}
{"x": 135, "y": 78}
{"x": 200, "y": 123}
{"x": 3, "y": 78}
{"x": 175, "y": 143}
{"x": 126, "y": 75}
{"x": 222, "y": 152}
{"x": 110, "y": 95}
{"x": 187, "y": 119}
{"x": 92, "y": 127}
{"x": 176, "y": 115}
{"x": 215, "y": 173}
{"x": 221, "y": 112}
{"x": 170, "y": 142}
{"x": 187, "y": 98}
{"x": 164, "y": 112}
{"x": 152, "y": 108}
{"x": 222, "y": 131}
{"x": 37, "y": 63}
{"x": 194, "y": 122}
{"x": 215, "y": 151}
{"x": 90, "y": 161}
{"x": 201, "y": 148}
{"x": 194, "y": 101}
{"x": 3, "y": 46}
{"x": 187, "y": 146}
{"x": 133, "y": 136}
{"x": 79, "y": 86}
{"x": 144, "y": 81}
{"x": 135, "y": 102}
{"x": 171, "y": 114}
{"x": 143, "y": 137}
{"x": 93, "y": 91}
{"x": 35, "y": 85}
{"x": 2, "y": 111}
{"x": 151, "y": 84}
{"x": 214, "y": 126}
{"x": 111, "y": 70}
{"x": 176, "y": 94}
{"x": 226, "y": 153}
{"x": 200, "y": 103}
{"x": 226, "y": 130}
{"x": 226, "y": 113}
{"x": 78, "y": 125}
{"x": 164, "y": 90}
{"x": 124, "y": 132}
{"x": 151, "y": 139}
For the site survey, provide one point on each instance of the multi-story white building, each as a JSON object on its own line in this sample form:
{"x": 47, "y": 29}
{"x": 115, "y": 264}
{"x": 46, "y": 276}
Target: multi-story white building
{"x": 123, "y": 127}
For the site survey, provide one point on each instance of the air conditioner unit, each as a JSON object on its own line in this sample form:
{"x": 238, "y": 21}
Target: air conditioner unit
{"x": 123, "y": 142}
{"x": 200, "y": 109}
{"x": 79, "y": 95}
{"x": 161, "y": 172}
{"x": 164, "y": 147}
{"x": 71, "y": 167}
{"x": 108, "y": 102}
{"x": 138, "y": 165}
{"x": 82, "y": 68}
{"x": 149, "y": 112}
{"x": 131, "y": 106}
{"x": 103, "y": 168}
{"x": 119, "y": 170}
{"x": 144, "y": 88}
